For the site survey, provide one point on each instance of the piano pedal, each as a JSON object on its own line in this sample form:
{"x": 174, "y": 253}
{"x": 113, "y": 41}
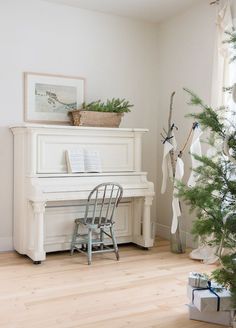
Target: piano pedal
{"x": 37, "y": 262}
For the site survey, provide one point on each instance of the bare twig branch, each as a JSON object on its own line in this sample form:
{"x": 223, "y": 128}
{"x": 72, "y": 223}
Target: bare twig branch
{"x": 170, "y": 114}
{"x": 169, "y": 134}
{"x": 216, "y": 2}
{"x": 187, "y": 141}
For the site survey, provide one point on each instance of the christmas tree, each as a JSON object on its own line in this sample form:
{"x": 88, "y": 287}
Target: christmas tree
{"x": 213, "y": 198}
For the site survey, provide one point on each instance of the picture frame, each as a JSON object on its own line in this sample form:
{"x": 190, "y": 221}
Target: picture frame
{"x": 48, "y": 97}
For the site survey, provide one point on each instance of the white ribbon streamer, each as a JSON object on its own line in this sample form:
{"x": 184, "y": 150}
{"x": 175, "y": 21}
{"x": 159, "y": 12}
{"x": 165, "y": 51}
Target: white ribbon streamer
{"x": 165, "y": 165}
{"x": 179, "y": 173}
{"x": 195, "y": 149}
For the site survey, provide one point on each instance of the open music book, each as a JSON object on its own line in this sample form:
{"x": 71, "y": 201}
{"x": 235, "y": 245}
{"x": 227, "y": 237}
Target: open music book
{"x": 83, "y": 160}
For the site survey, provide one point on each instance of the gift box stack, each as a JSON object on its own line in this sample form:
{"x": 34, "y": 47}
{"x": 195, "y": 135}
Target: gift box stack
{"x": 209, "y": 302}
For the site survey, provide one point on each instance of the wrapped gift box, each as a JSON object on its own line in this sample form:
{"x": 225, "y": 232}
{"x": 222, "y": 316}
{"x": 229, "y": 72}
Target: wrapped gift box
{"x": 196, "y": 279}
{"x": 205, "y": 300}
{"x": 220, "y": 318}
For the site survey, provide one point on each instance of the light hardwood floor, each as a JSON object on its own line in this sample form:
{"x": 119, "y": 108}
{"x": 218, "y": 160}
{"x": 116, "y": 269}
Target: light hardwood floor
{"x": 144, "y": 289}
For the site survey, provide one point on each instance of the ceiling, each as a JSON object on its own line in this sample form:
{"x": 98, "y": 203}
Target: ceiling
{"x": 149, "y": 10}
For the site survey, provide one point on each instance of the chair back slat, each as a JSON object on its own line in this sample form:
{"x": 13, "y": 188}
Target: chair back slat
{"x": 95, "y": 206}
{"x": 109, "y": 204}
{"x": 102, "y": 202}
{"x": 116, "y": 202}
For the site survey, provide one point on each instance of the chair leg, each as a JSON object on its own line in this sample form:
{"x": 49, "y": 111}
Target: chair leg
{"x": 89, "y": 247}
{"x": 114, "y": 243}
{"x": 72, "y": 248}
{"x": 101, "y": 238}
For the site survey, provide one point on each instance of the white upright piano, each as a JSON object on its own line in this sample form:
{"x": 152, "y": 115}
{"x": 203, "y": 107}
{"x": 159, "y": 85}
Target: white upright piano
{"x": 47, "y": 198}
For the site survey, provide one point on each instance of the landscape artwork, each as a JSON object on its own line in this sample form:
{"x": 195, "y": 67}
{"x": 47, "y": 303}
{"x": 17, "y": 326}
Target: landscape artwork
{"x": 50, "y": 98}
{"x": 55, "y": 98}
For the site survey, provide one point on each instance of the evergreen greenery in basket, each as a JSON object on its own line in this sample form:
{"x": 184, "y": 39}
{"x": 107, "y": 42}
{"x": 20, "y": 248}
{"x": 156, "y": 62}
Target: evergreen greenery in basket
{"x": 115, "y": 105}
{"x": 101, "y": 114}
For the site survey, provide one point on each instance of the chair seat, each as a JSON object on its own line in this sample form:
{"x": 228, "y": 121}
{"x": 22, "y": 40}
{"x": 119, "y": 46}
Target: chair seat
{"x": 103, "y": 222}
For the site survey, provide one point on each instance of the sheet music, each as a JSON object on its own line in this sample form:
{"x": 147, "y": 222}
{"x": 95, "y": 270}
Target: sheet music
{"x": 75, "y": 160}
{"x": 92, "y": 160}
{"x": 81, "y": 160}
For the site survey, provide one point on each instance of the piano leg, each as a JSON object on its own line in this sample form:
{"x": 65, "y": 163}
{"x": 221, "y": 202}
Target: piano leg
{"x": 143, "y": 248}
{"x": 37, "y": 253}
{"x": 147, "y": 228}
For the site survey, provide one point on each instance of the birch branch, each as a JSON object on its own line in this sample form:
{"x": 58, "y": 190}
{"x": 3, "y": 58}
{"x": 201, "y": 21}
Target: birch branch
{"x": 169, "y": 135}
{"x": 187, "y": 141}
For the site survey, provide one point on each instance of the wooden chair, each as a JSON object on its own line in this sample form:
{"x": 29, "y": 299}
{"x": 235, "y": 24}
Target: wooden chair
{"x": 98, "y": 218}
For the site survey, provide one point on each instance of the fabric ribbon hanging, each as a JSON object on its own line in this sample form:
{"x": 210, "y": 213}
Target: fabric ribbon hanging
{"x": 167, "y": 169}
{"x": 166, "y": 166}
{"x": 179, "y": 173}
{"x": 195, "y": 149}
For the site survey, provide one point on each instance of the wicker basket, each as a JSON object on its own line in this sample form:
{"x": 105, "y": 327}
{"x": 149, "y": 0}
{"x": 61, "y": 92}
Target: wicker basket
{"x": 99, "y": 119}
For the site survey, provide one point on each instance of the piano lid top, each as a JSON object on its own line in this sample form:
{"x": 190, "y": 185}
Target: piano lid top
{"x": 70, "y": 127}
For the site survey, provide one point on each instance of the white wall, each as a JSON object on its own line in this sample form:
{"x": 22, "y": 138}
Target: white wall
{"x": 117, "y": 56}
{"x": 186, "y": 47}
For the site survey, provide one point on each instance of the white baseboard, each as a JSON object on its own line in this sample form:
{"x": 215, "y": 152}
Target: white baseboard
{"x": 164, "y": 232}
{"x": 6, "y": 244}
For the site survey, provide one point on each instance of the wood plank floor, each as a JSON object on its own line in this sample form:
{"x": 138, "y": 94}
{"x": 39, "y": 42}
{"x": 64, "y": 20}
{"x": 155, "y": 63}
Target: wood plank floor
{"x": 144, "y": 289}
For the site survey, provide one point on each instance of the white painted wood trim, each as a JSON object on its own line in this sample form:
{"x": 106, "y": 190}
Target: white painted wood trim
{"x": 69, "y": 127}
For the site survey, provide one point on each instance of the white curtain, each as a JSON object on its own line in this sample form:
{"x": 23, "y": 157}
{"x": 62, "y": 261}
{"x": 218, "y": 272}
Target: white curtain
{"x": 221, "y": 63}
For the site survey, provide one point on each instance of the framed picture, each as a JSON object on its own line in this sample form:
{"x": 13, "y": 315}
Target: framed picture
{"x": 48, "y": 98}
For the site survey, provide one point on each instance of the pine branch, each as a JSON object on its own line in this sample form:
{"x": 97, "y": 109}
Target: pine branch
{"x": 214, "y": 196}
{"x": 207, "y": 118}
